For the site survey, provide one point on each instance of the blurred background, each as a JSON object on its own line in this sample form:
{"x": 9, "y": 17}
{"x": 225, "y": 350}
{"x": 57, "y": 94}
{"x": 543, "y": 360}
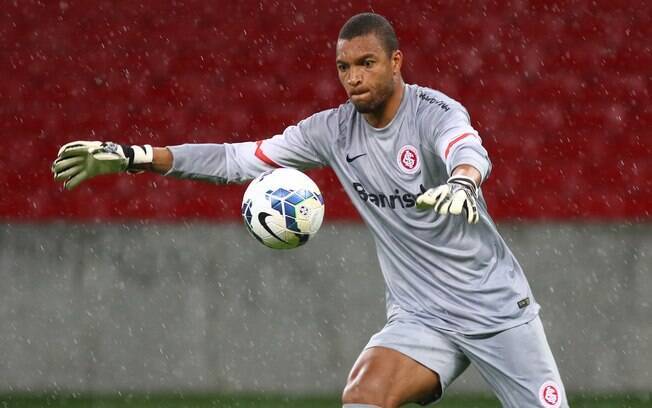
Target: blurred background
{"x": 143, "y": 286}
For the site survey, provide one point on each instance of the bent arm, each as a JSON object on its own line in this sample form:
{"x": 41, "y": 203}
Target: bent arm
{"x": 468, "y": 170}
{"x": 460, "y": 147}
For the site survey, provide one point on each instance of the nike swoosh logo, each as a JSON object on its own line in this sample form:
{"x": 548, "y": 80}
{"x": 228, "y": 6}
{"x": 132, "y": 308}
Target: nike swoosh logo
{"x": 262, "y": 218}
{"x": 350, "y": 159}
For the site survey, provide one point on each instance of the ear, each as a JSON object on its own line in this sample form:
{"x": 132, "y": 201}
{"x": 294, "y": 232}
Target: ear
{"x": 397, "y": 62}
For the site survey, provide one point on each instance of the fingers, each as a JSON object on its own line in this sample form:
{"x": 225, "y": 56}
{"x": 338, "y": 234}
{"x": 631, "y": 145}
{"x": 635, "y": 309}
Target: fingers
{"x": 473, "y": 216}
{"x": 76, "y": 150}
{"x": 457, "y": 203}
{"x": 432, "y": 198}
{"x": 75, "y": 180}
{"x": 60, "y": 165}
{"x": 426, "y": 200}
{"x": 68, "y": 173}
{"x": 462, "y": 203}
{"x": 77, "y": 144}
{"x": 444, "y": 203}
{"x": 70, "y": 164}
{"x": 444, "y": 207}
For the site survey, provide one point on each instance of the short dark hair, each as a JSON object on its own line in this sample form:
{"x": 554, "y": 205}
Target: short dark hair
{"x": 371, "y": 23}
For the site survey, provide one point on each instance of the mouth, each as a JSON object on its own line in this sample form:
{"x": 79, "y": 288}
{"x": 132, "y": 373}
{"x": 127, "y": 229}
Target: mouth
{"x": 359, "y": 94}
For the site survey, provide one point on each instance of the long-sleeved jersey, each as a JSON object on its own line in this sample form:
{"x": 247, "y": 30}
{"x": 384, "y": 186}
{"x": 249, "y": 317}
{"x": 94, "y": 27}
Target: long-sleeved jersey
{"x": 453, "y": 275}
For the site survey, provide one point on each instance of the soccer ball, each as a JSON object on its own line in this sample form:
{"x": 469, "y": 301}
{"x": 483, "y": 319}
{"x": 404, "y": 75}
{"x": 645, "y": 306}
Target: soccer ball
{"x": 282, "y": 208}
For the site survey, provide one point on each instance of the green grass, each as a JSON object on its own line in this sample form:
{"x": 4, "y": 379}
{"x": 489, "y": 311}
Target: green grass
{"x": 250, "y": 401}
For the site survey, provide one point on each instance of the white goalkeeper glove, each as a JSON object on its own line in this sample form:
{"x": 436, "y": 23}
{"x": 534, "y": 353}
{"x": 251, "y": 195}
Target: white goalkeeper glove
{"x": 81, "y": 160}
{"x": 458, "y": 195}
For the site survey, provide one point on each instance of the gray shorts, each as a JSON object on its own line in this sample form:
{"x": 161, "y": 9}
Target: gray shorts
{"x": 516, "y": 363}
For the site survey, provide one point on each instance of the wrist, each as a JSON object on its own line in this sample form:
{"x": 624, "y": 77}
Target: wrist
{"x": 468, "y": 170}
{"x": 465, "y": 182}
{"x": 139, "y": 157}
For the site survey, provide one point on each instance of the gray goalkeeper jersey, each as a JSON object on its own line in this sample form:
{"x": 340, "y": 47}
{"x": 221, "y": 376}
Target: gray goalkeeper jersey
{"x": 453, "y": 275}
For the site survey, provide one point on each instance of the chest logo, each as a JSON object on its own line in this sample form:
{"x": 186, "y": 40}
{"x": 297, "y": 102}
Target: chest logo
{"x": 408, "y": 159}
{"x": 350, "y": 159}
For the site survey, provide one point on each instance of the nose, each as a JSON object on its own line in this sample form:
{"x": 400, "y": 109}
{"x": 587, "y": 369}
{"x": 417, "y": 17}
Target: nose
{"x": 355, "y": 77}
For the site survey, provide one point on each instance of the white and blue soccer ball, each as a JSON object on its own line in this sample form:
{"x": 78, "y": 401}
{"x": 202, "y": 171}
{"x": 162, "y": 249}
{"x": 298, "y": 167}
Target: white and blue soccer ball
{"x": 283, "y": 208}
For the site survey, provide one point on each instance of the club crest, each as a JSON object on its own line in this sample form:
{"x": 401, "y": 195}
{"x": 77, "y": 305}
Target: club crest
{"x": 408, "y": 159}
{"x": 549, "y": 395}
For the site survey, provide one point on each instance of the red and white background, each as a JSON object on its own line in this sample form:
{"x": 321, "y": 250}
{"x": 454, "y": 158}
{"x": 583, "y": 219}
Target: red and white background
{"x": 141, "y": 272}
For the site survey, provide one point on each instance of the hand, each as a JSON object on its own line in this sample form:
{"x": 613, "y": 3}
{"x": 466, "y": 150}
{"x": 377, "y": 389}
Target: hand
{"x": 81, "y": 160}
{"x": 457, "y": 195}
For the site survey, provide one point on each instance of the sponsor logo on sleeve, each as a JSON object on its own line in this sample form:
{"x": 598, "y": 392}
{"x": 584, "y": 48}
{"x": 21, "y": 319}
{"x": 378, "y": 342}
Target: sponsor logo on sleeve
{"x": 549, "y": 395}
{"x": 434, "y": 101}
{"x": 408, "y": 159}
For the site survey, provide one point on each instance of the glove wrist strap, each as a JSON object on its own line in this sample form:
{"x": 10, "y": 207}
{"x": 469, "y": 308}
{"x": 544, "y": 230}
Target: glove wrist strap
{"x": 138, "y": 156}
{"x": 466, "y": 182}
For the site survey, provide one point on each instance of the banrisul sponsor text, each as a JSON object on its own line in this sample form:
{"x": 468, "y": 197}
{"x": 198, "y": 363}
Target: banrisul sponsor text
{"x": 394, "y": 200}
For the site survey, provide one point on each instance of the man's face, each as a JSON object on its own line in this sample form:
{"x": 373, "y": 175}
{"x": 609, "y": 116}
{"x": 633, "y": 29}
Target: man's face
{"x": 366, "y": 72}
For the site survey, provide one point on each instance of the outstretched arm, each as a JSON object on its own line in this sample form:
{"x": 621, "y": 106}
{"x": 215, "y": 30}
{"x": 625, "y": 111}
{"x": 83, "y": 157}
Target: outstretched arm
{"x": 161, "y": 161}
{"x": 81, "y": 160}
{"x": 301, "y": 146}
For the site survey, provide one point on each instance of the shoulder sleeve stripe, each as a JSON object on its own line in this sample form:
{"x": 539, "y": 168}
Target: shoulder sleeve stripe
{"x": 457, "y": 139}
{"x": 263, "y": 157}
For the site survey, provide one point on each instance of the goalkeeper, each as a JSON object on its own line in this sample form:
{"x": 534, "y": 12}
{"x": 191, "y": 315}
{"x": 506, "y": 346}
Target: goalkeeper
{"x": 413, "y": 166}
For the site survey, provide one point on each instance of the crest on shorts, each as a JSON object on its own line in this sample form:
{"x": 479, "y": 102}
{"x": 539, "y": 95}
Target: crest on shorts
{"x": 408, "y": 159}
{"x": 549, "y": 395}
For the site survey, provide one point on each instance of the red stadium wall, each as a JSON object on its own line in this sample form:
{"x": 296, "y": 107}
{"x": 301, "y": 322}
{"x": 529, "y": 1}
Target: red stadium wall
{"x": 560, "y": 94}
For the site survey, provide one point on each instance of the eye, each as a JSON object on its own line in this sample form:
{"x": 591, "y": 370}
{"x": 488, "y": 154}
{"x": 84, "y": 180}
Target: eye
{"x": 342, "y": 67}
{"x": 368, "y": 63}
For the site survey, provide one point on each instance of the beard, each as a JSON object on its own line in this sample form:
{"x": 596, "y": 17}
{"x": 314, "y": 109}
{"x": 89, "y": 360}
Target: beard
{"x": 374, "y": 106}
{"x": 377, "y": 102}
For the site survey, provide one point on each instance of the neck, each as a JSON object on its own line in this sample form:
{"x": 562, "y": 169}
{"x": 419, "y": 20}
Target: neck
{"x": 385, "y": 115}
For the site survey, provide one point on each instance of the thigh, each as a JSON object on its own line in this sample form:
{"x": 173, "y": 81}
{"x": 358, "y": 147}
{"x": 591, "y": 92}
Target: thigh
{"x": 518, "y": 365}
{"x": 388, "y": 378}
{"x": 405, "y": 348}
